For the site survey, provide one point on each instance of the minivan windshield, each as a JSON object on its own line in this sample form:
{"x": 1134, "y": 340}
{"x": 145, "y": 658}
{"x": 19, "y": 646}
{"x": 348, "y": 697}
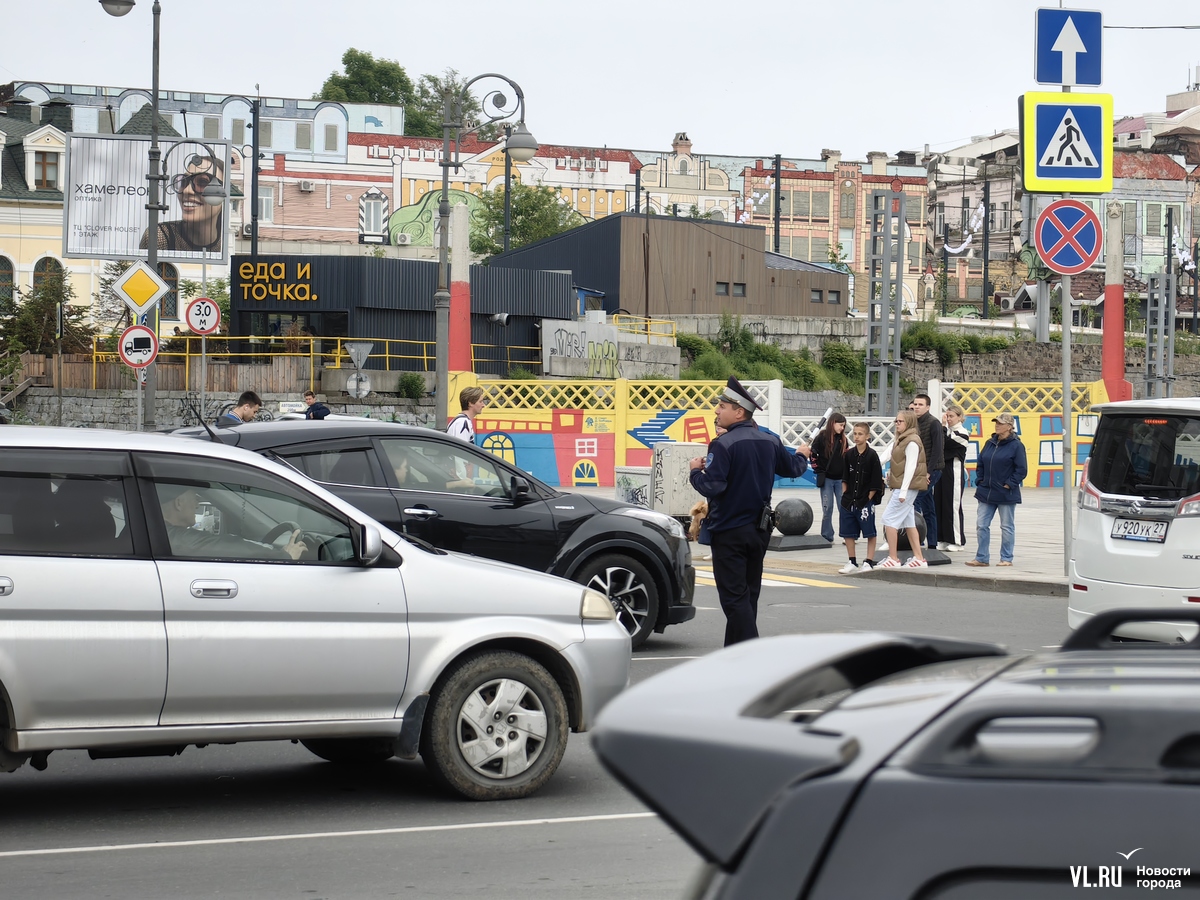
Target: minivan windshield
{"x": 1140, "y": 455}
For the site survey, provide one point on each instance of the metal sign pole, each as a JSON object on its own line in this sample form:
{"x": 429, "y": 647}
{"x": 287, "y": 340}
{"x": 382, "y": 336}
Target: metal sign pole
{"x": 137, "y": 373}
{"x": 1068, "y": 474}
{"x": 203, "y": 375}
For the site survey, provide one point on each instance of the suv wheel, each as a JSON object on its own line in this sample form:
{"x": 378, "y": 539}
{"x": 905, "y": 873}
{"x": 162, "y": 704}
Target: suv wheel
{"x": 629, "y": 587}
{"x": 497, "y": 727}
{"x": 353, "y": 751}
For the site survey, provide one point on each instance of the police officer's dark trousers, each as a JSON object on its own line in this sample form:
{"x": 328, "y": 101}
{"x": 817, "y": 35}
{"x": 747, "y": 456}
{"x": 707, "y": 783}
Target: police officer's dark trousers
{"x": 737, "y": 558}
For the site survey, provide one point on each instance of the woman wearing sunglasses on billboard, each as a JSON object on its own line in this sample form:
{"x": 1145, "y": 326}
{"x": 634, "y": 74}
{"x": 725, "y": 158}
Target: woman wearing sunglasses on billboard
{"x": 199, "y": 225}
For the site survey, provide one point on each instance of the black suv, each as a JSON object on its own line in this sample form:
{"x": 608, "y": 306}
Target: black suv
{"x": 457, "y": 497}
{"x": 889, "y": 767}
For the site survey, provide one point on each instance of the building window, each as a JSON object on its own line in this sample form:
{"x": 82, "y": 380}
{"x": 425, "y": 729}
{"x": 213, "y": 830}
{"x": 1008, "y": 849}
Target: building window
{"x": 45, "y": 268}
{"x": 683, "y": 167}
{"x": 800, "y": 205}
{"x": 1129, "y": 219}
{"x": 264, "y": 134}
{"x": 212, "y": 128}
{"x": 816, "y": 296}
{"x": 914, "y": 209}
{"x": 331, "y": 138}
{"x": 1154, "y": 219}
{"x": 6, "y": 279}
{"x": 914, "y": 254}
{"x": 800, "y": 246}
{"x": 45, "y": 170}
{"x": 304, "y": 135}
{"x": 722, "y": 288}
{"x": 820, "y": 205}
{"x": 238, "y": 132}
{"x": 266, "y": 204}
{"x": 835, "y": 296}
{"x": 846, "y": 210}
{"x": 940, "y": 221}
{"x": 739, "y": 289}
{"x": 170, "y": 300}
{"x": 372, "y": 213}
{"x": 820, "y": 250}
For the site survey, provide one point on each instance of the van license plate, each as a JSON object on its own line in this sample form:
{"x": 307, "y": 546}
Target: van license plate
{"x": 1140, "y": 530}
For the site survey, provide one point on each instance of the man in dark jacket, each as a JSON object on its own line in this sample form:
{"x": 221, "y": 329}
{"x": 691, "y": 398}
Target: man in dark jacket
{"x": 737, "y": 477}
{"x": 999, "y": 471}
{"x": 932, "y": 438}
{"x": 316, "y": 409}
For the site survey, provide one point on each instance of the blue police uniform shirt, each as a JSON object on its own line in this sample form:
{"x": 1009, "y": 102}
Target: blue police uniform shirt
{"x": 740, "y": 472}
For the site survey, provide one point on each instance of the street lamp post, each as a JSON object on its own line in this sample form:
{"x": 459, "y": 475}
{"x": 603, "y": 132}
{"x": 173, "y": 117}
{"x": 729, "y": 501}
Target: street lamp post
{"x": 520, "y": 146}
{"x": 507, "y": 188}
{"x": 120, "y": 8}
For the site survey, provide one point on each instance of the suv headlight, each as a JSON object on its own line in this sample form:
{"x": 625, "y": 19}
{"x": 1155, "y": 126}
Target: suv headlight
{"x": 596, "y": 606}
{"x": 662, "y": 520}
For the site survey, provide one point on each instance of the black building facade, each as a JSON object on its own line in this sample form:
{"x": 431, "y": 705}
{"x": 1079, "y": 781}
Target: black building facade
{"x": 329, "y": 297}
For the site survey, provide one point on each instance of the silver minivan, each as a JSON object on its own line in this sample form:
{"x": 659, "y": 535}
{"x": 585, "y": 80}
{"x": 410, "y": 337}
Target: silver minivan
{"x": 1137, "y": 543}
{"x": 156, "y": 594}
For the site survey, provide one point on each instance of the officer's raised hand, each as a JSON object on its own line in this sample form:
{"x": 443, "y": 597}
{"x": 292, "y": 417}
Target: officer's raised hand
{"x": 804, "y": 450}
{"x": 697, "y": 463}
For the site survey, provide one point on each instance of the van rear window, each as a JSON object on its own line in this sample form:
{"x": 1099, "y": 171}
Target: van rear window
{"x": 1154, "y": 456}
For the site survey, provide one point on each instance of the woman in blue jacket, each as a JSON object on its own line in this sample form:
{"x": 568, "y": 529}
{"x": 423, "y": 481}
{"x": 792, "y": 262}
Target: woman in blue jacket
{"x": 998, "y": 475}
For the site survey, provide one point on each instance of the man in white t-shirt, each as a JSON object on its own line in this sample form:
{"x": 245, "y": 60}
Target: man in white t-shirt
{"x": 462, "y": 426}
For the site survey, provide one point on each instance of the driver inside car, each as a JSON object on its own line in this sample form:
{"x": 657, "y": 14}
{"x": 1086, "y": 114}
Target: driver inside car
{"x": 179, "y": 502}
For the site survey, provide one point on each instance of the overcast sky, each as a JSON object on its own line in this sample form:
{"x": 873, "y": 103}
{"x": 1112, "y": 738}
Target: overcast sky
{"x": 739, "y": 78}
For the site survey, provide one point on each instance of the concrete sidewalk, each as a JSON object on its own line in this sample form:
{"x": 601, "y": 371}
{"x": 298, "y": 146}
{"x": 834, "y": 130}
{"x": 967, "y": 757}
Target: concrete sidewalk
{"x": 1038, "y": 558}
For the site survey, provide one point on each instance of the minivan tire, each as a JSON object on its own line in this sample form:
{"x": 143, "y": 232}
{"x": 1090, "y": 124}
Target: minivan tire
{"x": 630, "y": 587}
{"x": 502, "y": 699}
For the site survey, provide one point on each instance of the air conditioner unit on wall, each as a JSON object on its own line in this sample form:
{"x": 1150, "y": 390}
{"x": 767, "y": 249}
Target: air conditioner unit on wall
{"x": 401, "y": 239}
{"x": 246, "y": 229}
{"x": 308, "y": 186}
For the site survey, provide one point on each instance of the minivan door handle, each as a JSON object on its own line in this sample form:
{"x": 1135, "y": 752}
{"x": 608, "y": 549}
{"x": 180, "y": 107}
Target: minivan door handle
{"x": 6, "y": 586}
{"x": 214, "y": 590}
{"x": 422, "y": 512}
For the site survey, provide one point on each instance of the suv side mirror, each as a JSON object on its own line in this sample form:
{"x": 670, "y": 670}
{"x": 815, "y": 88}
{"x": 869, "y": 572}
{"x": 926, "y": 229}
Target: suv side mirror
{"x": 370, "y": 545}
{"x": 520, "y": 488}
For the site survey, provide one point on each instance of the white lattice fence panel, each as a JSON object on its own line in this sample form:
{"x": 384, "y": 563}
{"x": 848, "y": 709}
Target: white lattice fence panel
{"x": 797, "y": 429}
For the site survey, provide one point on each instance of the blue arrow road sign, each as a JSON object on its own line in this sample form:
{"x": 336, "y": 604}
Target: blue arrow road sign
{"x": 1068, "y": 47}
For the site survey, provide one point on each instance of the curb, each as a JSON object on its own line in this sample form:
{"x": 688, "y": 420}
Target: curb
{"x": 970, "y": 582}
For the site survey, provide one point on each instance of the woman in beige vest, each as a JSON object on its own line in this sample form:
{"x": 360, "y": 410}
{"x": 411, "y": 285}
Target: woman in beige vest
{"x": 907, "y": 479}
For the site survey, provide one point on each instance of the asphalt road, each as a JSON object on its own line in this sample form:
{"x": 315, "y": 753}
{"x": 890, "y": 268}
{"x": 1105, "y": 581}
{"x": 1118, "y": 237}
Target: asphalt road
{"x": 272, "y": 821}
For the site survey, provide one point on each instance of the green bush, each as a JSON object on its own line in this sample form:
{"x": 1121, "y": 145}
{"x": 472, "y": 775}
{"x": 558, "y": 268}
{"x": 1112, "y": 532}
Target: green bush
{"x": 520, "y": 373}
{"x": 412, "y": 386}
{"x": 692, "y": 345}
{"x": 845, "y": 360}
{"x": 711, "y": 365}
{"x": 995, "y": 344}
{"x": 973, "y": 342}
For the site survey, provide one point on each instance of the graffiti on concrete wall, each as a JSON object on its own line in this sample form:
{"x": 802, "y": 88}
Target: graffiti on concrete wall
{"x": 602, "y": 360}
{"x": 569, "y": 342}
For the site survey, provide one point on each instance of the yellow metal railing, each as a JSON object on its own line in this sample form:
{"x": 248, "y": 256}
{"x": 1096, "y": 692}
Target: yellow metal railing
{"x": 627, "y": 324}
{"x": 321, "y": 352}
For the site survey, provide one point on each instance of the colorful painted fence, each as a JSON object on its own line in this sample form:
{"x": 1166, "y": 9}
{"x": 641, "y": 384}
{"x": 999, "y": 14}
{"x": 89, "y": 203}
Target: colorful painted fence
{"x": 574, "y": 433}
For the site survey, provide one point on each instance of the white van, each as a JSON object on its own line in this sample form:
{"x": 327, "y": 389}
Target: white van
{"x": 1137, "y": 543}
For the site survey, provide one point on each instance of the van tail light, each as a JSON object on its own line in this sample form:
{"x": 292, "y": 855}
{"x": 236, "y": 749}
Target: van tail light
{"x": 1189, "y": 506}
{"x": 1089, "y": 497}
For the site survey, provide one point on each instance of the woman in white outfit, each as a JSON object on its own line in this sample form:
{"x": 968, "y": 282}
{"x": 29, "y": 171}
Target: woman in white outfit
{"x": 908, "y": 477}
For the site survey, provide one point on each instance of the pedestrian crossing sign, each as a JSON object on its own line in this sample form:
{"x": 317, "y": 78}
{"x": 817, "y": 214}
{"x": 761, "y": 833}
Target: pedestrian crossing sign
{"x": 1066, "y": 143}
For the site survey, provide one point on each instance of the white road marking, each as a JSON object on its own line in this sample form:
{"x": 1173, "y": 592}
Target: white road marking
{"x": 308, "y": 836}
{"x": 661, "y": 658}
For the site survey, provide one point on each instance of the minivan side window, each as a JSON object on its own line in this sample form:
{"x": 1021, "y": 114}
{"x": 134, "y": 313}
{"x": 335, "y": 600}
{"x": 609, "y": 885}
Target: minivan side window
{"x": 212, "y": 509}
{"x": 64, "y": 504}
{"x": 1147, "y": 456}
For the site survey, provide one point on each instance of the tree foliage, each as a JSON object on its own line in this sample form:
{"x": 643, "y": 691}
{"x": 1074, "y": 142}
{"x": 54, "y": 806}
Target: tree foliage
{"x": 537, "y": 213}
{"x": 368, "y": 80}
{"x": 424, "y": 116}
{"x": 32, "y": 324}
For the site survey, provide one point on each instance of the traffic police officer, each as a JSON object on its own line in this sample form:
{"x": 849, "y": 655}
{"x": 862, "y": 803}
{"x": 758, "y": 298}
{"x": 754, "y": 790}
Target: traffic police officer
{"x": 737, "y": 477}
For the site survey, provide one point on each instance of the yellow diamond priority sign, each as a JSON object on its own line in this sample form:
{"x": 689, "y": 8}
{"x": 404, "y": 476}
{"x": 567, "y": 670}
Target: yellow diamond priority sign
{"x": 140, "y": 287}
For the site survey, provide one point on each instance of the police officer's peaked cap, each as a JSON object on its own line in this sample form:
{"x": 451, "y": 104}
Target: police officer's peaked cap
{"x": 736, "y": 394}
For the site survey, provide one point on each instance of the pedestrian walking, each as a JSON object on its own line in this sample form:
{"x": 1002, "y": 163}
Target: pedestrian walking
{"x": 950, "y": 488}
{"x": 736, "y": 477}
{"x": 908, "y": 476}
{"x": 998, "y": 475}
{"x": 862, "y": 488}
{"x": 462, "y": 426}
{"x": 931, "y": 432}
{"x": 316, "y": 409}
{"x": 828, "y": 462}
{"x": 248, "y": 405}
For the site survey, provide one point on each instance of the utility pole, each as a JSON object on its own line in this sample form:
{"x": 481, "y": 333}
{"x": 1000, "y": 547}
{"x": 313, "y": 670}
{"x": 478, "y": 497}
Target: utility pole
{"x": 778, "y": 195}
{"x": 637, "y": 191}
{"x": 987, "y": 227}
{"x": 646, "y": 256}
{"x": 254, "y": 110}
{"x": 945, "y": 279}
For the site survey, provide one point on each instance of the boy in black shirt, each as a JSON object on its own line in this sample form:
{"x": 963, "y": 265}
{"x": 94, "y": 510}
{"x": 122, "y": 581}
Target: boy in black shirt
{"x": 862, "y": 488}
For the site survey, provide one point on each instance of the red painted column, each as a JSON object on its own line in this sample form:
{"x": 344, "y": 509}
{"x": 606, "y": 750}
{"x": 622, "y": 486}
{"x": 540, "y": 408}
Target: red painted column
{"x": 460, "y": 290}
{"x": 1112, "y": 346}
